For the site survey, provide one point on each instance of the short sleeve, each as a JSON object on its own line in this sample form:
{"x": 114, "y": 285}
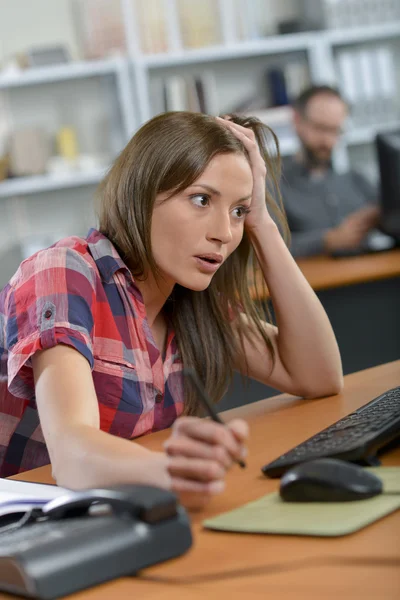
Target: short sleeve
{"x": 50, "y": 301}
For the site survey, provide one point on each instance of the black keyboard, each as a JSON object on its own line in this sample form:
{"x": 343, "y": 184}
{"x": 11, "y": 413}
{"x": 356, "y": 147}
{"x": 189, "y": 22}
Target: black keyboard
{"x": 356, "y": 438}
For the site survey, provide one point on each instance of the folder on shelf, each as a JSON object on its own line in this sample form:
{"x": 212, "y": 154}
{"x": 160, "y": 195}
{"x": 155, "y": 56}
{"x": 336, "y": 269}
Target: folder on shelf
{"x": 386, "y": 82}
{"x": 348, "y": 82}
{"x": 152, "y": 26}
{"x": 176, "y": 97}
{"x": 367, "y": 86}
{"x": 199, "y": 23}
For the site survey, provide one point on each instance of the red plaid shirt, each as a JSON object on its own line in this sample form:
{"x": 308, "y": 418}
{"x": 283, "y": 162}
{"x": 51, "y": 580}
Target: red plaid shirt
{"x": 79, "y": 292}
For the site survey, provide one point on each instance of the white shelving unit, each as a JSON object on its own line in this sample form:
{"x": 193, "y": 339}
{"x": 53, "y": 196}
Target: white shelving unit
{"x": 273, "y": 45}
{"x": 21, "y": 186}
{"x": 54, "y": 73}
{"x": 117, "y": 68}
{"x": 319, "y": 47}
{"x": 132, "y": 77}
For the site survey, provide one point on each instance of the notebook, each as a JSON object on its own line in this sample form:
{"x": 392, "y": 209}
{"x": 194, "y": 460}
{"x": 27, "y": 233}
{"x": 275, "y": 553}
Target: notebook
{"x": 21, "y": 496}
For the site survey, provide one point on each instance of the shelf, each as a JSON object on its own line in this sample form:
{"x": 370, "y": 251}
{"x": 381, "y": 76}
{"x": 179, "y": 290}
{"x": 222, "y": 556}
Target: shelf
{"x": 43, "y": 183}
{"x": 353, "y": 35}
{"x": 366, "y": 135}
{"x": 278, "y": 43}
{"x": 53, "y": 73}
{"x": 290, "y": 42}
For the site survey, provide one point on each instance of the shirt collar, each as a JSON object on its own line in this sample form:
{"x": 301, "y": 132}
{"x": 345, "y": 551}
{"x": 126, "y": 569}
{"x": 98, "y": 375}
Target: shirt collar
{"x": 105, "y": 255}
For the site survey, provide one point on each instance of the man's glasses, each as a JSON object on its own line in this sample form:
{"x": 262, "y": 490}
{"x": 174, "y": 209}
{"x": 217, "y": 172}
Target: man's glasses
{"x": 326, "y": 129}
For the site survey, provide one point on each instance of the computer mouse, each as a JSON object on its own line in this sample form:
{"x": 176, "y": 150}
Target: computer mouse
{"x": 328, "y": 480}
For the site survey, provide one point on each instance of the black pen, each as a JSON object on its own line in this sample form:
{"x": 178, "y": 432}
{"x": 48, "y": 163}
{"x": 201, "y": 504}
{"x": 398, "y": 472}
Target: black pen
{"x": 206, "y": 402}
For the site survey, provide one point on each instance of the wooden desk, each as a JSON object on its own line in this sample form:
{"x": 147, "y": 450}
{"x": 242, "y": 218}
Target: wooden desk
{"x": 363, "y": 565}
{"x": 361, "y": 296}
{"x": 324, "y": 272}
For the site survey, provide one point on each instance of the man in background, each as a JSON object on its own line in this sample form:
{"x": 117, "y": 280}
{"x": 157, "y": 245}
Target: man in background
{"x": 327, "y": 212}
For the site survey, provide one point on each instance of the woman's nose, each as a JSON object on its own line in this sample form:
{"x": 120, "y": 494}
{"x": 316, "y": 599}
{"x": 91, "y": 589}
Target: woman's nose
{"x": 220, "y": 229}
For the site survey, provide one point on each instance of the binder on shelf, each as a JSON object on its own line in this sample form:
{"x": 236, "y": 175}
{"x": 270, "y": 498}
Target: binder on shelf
{"x": 210, "y": 92}
{"x": 176, "y": 96}
{"x": 347, "y": 80}
{"x": 157, "y": 95}
{"x": 172, "y": 26}
{"x": 228, "y": 21}
{"x": 368, "y": 89}
{"x": 297, "y": 78}
{"x": 277, "y": 87}
{"x": 152, "y": 26}
{"x": 199, "y": 23}
{"x": 240, "y": 20}
{"x": 100, "y": 27}
{"x": 193, "y": 102}
{"x": 250, "y": 21}
{"x": 386, "y": 82}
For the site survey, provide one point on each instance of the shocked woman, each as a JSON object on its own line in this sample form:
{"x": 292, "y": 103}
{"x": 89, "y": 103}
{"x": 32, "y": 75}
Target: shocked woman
{"x": 95, "y": 331}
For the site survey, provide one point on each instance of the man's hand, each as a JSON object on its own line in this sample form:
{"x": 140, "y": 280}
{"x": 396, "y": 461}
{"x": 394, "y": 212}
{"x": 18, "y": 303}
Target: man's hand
{"x": 351, "y": 232}
{"x": 200, "y": 452}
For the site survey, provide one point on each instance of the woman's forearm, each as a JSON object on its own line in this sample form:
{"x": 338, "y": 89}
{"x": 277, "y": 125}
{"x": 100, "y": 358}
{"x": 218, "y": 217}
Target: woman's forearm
{"x": 306, "y": 343}
{"x": 87, "y": 457}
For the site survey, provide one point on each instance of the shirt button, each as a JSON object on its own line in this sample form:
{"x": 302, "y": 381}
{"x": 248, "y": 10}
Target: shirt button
{"x": 159, "y": 398}
{"x": 48, "y": 314}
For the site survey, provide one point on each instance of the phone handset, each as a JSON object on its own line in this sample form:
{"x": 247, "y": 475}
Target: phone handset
{"x": 146, "y": 503}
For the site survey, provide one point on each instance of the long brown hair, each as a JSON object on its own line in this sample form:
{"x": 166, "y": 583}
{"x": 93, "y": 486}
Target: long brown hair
{"x": 167, "y": 154}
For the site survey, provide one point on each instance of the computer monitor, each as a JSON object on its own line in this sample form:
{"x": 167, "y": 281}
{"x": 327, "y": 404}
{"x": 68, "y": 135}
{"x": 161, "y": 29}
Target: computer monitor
{"x": 388, "y": 151}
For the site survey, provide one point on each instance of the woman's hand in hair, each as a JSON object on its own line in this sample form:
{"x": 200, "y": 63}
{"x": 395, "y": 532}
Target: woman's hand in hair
{"x": 258, "y": 207}
{"x": 200, "y": 452}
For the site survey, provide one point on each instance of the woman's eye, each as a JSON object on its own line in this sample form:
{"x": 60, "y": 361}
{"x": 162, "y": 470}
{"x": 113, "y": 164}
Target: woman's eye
{"x": 200, "y": 199}
{"x": 242, "y": 211}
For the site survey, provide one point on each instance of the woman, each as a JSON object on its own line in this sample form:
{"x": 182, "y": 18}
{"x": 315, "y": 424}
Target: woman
{"x": 95, "y": 331}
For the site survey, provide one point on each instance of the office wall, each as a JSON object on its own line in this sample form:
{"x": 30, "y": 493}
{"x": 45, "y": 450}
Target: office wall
{"x": 26, "y": 23}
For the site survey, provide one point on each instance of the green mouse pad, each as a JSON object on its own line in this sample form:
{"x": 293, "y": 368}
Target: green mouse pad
{"x": 270, "y": 514}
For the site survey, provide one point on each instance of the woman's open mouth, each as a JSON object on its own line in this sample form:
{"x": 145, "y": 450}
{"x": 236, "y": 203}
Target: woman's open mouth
{"x": 208, "y": 263}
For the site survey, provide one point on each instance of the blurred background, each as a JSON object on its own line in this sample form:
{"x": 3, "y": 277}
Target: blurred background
{"x": 78, "y": 77}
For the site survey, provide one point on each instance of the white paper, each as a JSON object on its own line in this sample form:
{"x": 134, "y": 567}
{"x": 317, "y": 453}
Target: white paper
{"x": 20, "y": 496}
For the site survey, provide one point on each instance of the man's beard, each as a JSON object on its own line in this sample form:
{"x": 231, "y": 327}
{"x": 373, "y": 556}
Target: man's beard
{"x": 315, "y": 160}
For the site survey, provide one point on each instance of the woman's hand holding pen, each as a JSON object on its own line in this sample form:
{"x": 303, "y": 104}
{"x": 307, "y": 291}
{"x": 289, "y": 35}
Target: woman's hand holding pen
{"x": 200, "y": 452}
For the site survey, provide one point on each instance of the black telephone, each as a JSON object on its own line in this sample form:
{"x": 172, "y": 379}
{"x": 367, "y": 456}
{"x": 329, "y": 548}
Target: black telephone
{"x": 88, "y": 537}
{"x": 142, "y": 502}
